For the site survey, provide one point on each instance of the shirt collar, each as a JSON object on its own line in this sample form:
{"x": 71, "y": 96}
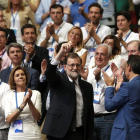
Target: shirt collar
{"x": 127, "y": 34}
{"x": 60, "y": 26}
{"x": 1, "y": 53}
{"x": 20, "y": 65}
{"x": 76, "y": 81}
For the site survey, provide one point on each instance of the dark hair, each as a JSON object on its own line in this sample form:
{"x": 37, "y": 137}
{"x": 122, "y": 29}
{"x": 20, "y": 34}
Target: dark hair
{"x": 11, "y": 77}
{"x": 5, "y": 31}
{"x": 134, "y": 62}
{"x": 27, "y": 26}
{"x": 59, "y": 47}
{"x": 126, "y": 14}
{"x": 15, "y": 45}
{"x": 73, "y": 55}
{"x": 54, "y": 6}
{"x": 96, "y": 5}
{"x": 117, "y": 48}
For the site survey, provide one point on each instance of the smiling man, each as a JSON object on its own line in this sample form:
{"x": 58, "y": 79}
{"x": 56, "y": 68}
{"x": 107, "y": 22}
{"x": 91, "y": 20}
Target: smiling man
{"x": 71, "y": 109}
{"x": 33, "y": 53}
{"x": 94, "y": 32}
{"x": 103, "y": 120}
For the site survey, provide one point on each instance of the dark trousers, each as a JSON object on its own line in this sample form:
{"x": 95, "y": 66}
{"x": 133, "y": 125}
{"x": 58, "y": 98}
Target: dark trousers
{"x": 103, "y": 126}
{"x": 71, "y": 135}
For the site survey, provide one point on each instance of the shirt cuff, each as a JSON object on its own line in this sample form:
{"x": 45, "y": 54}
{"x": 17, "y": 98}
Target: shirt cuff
{"x": 55, "y": 62}
{"x": 42, "y": 78}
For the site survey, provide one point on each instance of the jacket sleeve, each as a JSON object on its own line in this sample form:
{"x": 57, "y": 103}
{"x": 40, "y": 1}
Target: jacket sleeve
{"x": 113, "y": 102}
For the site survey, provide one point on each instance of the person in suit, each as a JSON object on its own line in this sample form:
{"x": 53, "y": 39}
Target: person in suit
{"x": 33, "y": 53}
{"x": 11, "y": 36}
{"x": 15, "y": 53}
{"x": 126, "y": 101}
{"x": 70, "y": 115}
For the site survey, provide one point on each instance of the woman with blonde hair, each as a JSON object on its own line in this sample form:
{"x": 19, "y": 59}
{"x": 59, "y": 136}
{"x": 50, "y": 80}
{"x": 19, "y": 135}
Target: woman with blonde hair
{"x": 75, "y": 35}
{"x": 22, "y": 107}
{"x": 16, "y": 15}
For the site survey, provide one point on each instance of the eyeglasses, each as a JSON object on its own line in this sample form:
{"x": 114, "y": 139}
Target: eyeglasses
{"x": 73, "y": 65}
{"x": 132, "y": 51}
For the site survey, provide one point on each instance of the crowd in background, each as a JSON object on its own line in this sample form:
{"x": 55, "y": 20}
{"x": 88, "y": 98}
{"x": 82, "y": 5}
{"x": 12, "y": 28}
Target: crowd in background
{"x": 100, "y": 36}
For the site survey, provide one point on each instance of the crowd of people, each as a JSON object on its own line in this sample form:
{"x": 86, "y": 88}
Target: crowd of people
{"x": 65, "y": 73}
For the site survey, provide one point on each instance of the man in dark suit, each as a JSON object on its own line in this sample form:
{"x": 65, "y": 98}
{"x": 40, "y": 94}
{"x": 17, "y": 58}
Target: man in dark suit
{"x": 126, "y": 101}
{"x": 33, "y": 53}
{"x": 70, "y": 115}
{"x": 11, "y": 38}
{"x": 15, "y": 53}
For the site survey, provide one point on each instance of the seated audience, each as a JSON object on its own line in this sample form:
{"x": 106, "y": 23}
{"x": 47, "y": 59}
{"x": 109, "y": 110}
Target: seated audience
{"x": 22, "y": 107}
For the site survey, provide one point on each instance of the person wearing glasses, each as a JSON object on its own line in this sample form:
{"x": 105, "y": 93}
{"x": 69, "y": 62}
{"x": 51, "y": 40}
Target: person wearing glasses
{"x": 70, "y": 115}
{"x": 103, "y": 120}
{"x": 22, "y": 107}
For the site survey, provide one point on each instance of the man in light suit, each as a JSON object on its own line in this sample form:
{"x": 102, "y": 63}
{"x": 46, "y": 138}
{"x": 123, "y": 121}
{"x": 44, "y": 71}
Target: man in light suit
{"x": 70, "y": 115}
{"x": 126, "y": 101}
{"x": 15, "y": 53}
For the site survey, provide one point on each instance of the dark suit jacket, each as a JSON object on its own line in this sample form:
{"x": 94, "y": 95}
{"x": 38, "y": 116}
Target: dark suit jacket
{"x": 127, "y": 103}
{"x": 33, "y": 77}
{"x": 11, "y": 36}
{"x": 41, "y": 53}
{"x": 62, "y": 105}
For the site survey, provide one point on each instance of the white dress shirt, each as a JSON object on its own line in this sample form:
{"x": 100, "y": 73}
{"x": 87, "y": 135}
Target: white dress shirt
{"x": 62, "y": 32}
{"x": 130, "y": 36}
{"x": 79, "y": 99}
{"x": 4, "y": 88}
{"x": 99, "y": 108}
{"x": 102, "y": 31}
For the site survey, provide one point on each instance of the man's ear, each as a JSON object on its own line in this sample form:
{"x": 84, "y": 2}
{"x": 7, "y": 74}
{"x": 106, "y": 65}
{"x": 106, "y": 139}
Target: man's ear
{"x": 129, "y": 68}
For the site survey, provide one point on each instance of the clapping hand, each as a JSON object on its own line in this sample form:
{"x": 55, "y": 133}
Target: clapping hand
{"x": 117, "y": 72}
{"x": 108, "y": 80}
{"x": 97, "y": 73}
{"x": 119, "y": 81}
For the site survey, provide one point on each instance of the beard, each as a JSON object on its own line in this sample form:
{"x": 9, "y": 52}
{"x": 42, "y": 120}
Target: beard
{"x": 74, "y": 74}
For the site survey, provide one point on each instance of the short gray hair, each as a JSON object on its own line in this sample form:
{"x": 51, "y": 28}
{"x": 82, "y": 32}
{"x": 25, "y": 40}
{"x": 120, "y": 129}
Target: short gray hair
{"x": 15, "y": 45}
{"x": 107, "y": 46}
{"x": 135, "y": 41}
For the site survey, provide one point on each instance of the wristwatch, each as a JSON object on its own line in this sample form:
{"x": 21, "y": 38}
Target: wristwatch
{"x": 20, "y": 109}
